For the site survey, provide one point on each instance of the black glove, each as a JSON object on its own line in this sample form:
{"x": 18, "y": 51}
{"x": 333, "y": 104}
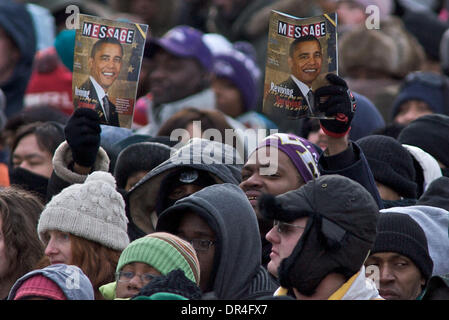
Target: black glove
{"x": 82, "y": 133}
{"x": 336, "y": 101}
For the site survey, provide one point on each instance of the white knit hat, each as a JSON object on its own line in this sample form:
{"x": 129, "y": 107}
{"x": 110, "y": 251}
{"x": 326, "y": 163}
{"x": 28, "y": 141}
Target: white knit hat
{"x": 93, "y": 210}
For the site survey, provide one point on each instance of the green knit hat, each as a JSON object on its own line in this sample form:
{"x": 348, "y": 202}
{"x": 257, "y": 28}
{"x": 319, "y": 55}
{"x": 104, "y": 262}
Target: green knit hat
{"x": 164, "y": 252}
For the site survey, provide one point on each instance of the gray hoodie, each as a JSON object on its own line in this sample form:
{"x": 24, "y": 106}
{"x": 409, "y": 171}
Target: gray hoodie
{"x": 70, "y": 279}
{"x": 435, "y": 223}
{"x": 237, "y": 272}
{"x": 221, "y": 161}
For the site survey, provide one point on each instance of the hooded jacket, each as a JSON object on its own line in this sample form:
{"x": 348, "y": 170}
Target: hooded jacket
{"x": 70, "y": 279}
{"x": 358, "y": 287}
{"x": 437, "y": 194}
{"x": 426, "y": 167}
{"x": 18, "y": 24}
{"x": 220, "y": 161}
{"x": 435, "y": 222}
{"x": 238, "y": 273}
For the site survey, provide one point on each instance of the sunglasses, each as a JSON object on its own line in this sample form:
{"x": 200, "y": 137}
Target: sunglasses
{"x": 284, "y": 227}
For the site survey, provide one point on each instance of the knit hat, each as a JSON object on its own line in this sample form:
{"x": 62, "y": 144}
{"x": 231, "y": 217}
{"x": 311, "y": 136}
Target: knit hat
{"x": 65, "y": 46}
{"x": 93, "y": 210}
{"x": 173, "y": 286}
{"x": 340, "y": 229}
{"x": 300, "y": 151}
{"x": 242, "y": 71}
{"x": 164, "y": 252}
{"x": 142, "y": 156}
{"x": 50, "y": 83}
{"x": 217, "y": 43}
{"x": 390, "y": 163}
{"x": 423, "y": 86}
{"x": 186, "y": 42}
{"x": 430, "y": 133}
{"x": 39, "y": 286}
{"x": 397, "y": 232}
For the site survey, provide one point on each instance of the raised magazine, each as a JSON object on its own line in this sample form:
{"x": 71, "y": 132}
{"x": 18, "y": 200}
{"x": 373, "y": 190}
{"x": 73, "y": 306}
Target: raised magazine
{"x": 107, "y": 60}
{"x": 300, "y": 52}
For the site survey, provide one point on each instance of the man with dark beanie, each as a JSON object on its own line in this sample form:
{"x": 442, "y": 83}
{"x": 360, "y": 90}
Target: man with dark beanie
{"x": 321, "y": 237}
{"x": 431, "y": 134}
{"x": 136, "y": 160}
{"x": 393, "y": 169}
{"x": 401, "y": 255}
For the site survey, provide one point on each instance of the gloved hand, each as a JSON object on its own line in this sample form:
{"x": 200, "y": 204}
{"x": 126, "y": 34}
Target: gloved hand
{"x": 82, "y": 133}
{"x": 336, "y": 101}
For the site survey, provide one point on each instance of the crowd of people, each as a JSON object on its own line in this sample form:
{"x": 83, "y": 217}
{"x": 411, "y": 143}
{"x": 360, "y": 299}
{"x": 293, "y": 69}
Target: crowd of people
{"x": 238, "y": 205}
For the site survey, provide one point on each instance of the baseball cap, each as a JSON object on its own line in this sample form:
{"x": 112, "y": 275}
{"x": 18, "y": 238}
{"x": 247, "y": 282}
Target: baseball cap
{"x": 186, "y": 42}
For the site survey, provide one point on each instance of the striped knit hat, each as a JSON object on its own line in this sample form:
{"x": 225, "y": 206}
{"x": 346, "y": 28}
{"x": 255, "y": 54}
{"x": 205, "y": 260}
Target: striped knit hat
{"x": 300, "y": 151}
{"x": 164, "y": 252}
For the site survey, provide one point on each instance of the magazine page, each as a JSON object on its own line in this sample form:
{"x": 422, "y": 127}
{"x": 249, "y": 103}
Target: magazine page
{"x": 106, "y": 67}
{"x": 300, "y": 52}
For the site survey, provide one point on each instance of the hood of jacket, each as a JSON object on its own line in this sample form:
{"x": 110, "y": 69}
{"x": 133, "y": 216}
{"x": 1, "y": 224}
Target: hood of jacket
{"x": 228, "y": 212}
{"x": 429, "y": 166}
{"x": 70, "y": 279}
{"x": 220, "y": 161}
{"x": 437, "y": 194}
{"x": 18, "y": 24}
{"x": 358, "y": 287}
{"x": 435, "y": 223}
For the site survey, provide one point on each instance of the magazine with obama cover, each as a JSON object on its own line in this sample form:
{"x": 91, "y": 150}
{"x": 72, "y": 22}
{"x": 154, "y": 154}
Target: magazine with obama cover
{"x": 106, "y": 67}
{"x": 300, "y": 52}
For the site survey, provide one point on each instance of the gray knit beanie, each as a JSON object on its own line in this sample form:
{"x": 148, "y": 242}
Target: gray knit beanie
{"x": 93, "y": 210}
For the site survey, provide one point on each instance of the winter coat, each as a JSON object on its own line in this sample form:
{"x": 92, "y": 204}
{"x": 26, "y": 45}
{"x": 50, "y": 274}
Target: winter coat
{"x": 18, "y": 24}
{"x": 238, "y": 273}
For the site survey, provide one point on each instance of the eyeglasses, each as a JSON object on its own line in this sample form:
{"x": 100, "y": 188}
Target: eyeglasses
{"x": 126, "y": 276}
{"x": 201, "y": 244}
{"x": 285, "y": 228}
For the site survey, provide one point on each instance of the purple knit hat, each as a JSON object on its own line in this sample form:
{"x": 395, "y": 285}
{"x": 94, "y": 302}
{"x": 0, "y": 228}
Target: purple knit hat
{"x": 300, "y": 151}
{"x": 242, "y": 71}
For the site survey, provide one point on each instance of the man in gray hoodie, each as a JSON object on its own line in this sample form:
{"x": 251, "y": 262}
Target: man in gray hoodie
{"x": 196, "y": 165}
{"x": 220, "y": 223}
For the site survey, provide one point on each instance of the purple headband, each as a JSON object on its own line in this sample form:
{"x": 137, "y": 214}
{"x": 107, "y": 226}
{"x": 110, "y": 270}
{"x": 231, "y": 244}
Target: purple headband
{"x": 300, "y": 151}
